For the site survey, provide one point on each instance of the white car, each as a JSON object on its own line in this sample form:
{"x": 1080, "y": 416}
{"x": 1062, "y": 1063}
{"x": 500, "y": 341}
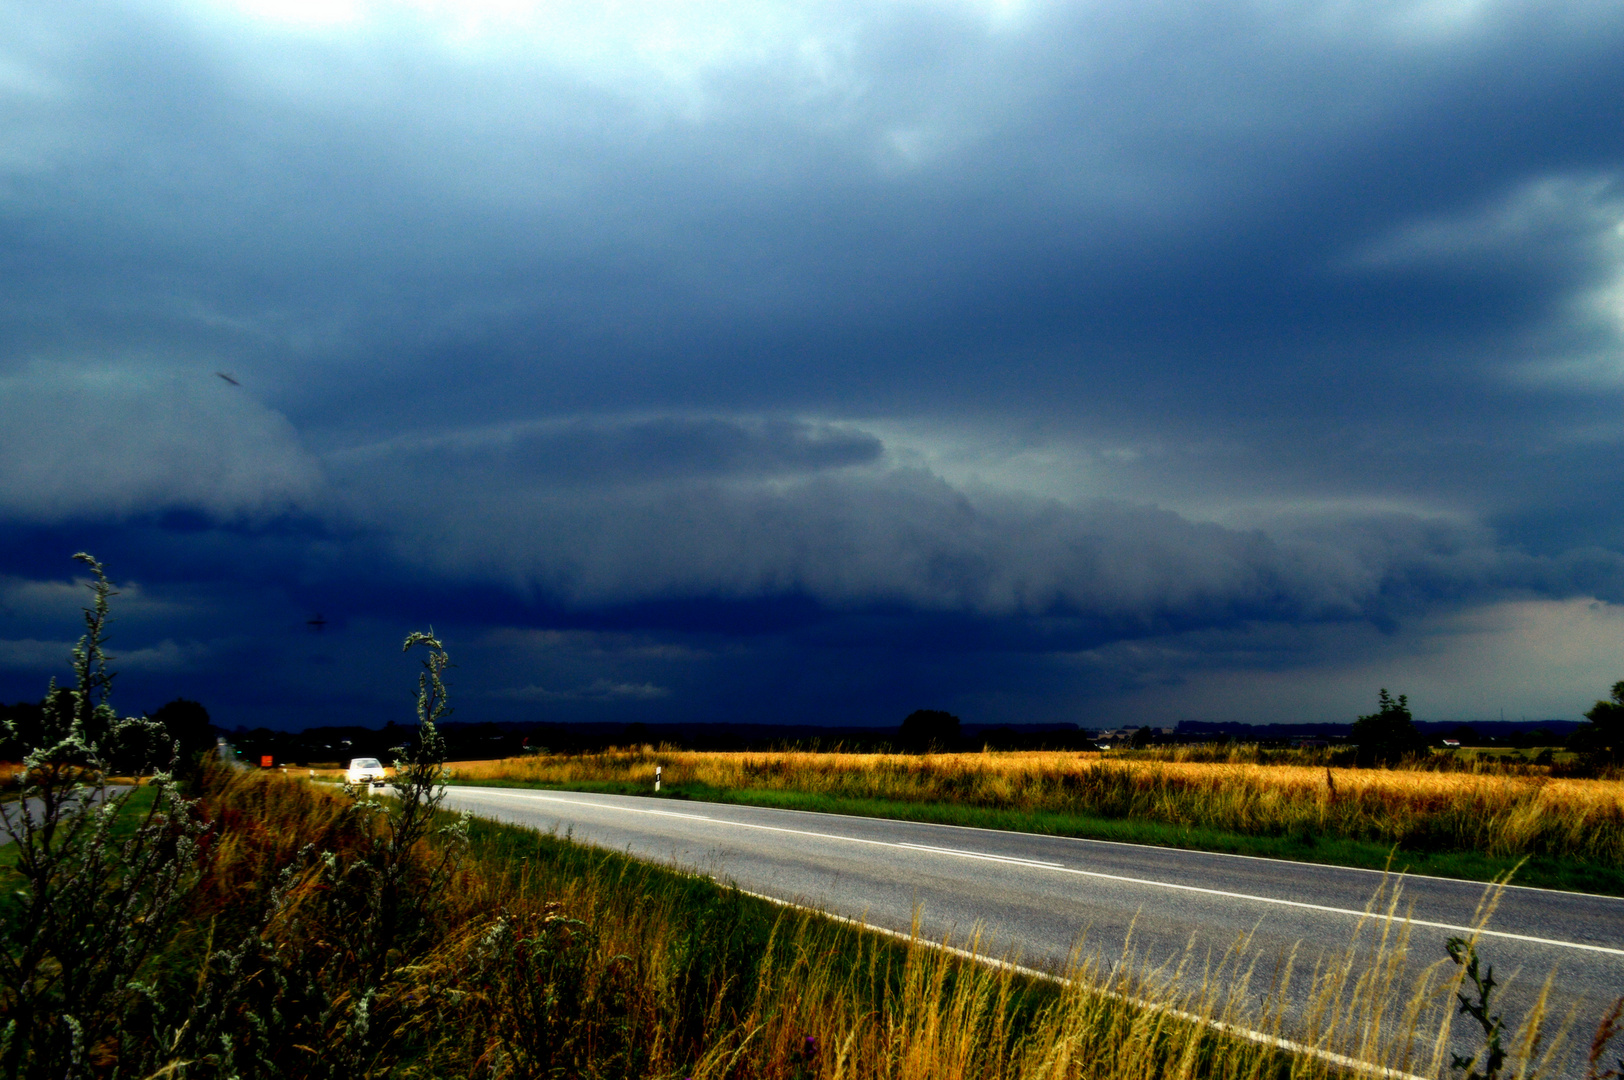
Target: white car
{"x": 366, "y": 770}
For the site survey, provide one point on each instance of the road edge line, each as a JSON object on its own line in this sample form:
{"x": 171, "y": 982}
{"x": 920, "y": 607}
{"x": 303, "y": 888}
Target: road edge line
{"x": 1260, "y": 1037}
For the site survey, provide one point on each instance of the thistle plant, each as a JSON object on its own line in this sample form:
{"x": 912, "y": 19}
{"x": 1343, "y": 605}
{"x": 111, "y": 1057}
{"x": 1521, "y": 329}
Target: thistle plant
{"x": 419, "y": 788}
{"x": 98, "y": 885}
{"x": 420, "y": 774}
{"x": 1488, "y": 1062}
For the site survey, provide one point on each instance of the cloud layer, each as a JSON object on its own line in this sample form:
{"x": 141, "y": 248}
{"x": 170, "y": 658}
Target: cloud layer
{"x": 110, "y": 442}
{"x": 793, "y": 349}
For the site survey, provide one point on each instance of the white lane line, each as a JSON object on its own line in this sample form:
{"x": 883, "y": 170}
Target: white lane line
{"x": 1060, "y": 869}
{"x": 977, "y": 855}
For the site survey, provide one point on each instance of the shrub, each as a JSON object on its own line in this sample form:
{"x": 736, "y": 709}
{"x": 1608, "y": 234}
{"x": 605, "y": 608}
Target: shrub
{"x": 1602, "y": 743}
{"x": 929, "y": 729}
{"x": 187, "y": 723}
{"x": 1388, "y": 734}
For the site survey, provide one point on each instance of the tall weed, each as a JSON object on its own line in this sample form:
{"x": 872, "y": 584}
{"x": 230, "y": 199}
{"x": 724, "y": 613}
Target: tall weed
{"x": 99, "y": 876}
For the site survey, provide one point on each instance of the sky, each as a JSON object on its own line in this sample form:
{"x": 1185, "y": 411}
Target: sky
{"x": 1107, "y": 363}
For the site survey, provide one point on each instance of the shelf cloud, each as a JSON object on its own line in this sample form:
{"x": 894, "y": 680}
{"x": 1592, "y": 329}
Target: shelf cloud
{"x": 1034, "y": 360}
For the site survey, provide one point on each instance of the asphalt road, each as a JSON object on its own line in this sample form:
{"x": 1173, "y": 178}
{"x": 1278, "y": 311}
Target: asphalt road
{"x": 1038, "y": 896}
{"x": 11, "y": 812}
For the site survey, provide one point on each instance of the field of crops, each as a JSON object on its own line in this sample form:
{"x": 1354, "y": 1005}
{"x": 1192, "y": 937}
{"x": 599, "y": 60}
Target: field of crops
{"x": 1485, "y": 811}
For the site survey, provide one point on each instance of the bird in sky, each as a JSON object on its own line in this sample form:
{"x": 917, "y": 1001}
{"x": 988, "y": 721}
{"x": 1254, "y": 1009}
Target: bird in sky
{"x": 228, "y": 378}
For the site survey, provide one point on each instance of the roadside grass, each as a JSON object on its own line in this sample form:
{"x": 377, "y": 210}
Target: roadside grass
{"x": 552, "y": 958}
{"x": 1565, "y": 833}
{"x": 544, "y": 958}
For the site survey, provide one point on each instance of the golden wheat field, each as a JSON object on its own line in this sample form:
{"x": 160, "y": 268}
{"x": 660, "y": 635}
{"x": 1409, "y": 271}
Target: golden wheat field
{"x": 1490, "y": 812}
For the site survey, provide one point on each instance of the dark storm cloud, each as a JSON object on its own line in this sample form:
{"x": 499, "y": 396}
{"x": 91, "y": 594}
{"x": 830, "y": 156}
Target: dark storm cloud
{"x": 980, "y": 330}
{"x": 900, "y": 539}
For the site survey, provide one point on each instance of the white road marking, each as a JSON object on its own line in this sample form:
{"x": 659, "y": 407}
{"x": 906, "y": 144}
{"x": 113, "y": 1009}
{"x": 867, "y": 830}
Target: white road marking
{"x": 1061, "y": 869}
{"x": 977, "y": 855}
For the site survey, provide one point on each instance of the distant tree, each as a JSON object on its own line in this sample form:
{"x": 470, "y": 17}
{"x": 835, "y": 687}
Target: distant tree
{"x": 21, "y": 726}
{"x": 1525, "y": 740}
{"x": 929, "y": 729}
{"x": 1603, "y": 740}
{"x": 1389, "y": 733}
{"x": 1465, "y": 734}
{"x": 189, "y": 725}
{"x": 129, "y": 745}
{"x": 1143, "y": 738}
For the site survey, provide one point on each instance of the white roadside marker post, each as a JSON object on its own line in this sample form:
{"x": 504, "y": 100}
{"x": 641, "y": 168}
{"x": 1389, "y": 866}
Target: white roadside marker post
{"x": 657, "y": 769}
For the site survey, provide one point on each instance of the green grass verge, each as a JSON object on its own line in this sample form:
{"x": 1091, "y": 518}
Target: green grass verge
{"x": 1541, "y": 871}
{"x": 721, "y": 941}
{"x": 722, "y": 935}
{"x": 139, "y": 802}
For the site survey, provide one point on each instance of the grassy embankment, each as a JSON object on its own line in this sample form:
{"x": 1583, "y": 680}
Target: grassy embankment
{"x": 1474, "y": 824}
{"x": 543, "y": 958}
